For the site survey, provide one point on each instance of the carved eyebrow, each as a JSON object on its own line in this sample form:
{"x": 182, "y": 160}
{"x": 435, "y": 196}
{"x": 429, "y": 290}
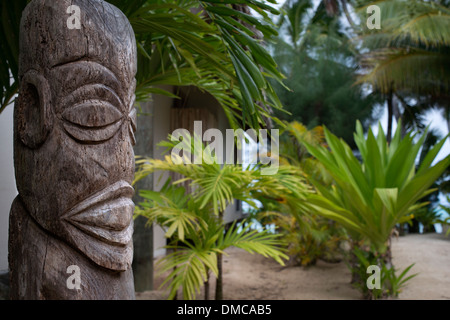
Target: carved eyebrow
{"x": 83, "y": 72}
{"x": 93, "y": 92}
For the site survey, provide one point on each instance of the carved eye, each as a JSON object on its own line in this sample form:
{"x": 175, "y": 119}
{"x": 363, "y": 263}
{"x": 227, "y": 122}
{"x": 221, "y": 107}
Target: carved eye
{"x": 94, "y": 113}
{"x": 92, "y": 121}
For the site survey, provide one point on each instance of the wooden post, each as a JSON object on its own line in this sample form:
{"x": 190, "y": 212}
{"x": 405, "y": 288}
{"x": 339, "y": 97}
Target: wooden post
{"x": 390, "y": 105}
{"x": 71, "y": 225}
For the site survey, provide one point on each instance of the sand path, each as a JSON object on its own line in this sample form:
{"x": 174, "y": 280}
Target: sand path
{"x": 254, "y": 277}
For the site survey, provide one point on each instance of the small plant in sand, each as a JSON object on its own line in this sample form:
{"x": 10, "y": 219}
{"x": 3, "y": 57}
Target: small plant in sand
{"x": 371, "y": 196}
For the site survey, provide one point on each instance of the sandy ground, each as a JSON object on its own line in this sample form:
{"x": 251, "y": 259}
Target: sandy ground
{"x": 254, "y": 277}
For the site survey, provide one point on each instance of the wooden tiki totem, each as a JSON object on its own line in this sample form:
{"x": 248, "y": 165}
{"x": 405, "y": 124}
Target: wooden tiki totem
{"x": 71, "y": 226}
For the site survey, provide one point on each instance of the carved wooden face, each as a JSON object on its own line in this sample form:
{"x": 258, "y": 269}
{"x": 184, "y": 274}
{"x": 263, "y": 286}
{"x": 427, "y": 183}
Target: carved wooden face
{"x": 74, "y": 131}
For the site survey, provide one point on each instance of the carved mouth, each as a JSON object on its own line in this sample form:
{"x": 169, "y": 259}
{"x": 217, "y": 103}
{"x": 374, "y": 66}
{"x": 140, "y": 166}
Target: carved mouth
{"x": 106, "y": 215}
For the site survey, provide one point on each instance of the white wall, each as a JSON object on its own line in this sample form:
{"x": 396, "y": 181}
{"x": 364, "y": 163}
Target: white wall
{"x": 8, "y": 189}
{"x": 161, "y": 129}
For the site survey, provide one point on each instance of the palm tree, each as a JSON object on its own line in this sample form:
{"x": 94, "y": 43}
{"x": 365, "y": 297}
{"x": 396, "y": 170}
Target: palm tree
{"x": 197, "y": 239}
{"x": 214, "y": 187}
{"x": 208, "y": 44}
{"x": 320, "y": 63}
{"x": 405, "y": 61}
{"x": 408, "y": 57}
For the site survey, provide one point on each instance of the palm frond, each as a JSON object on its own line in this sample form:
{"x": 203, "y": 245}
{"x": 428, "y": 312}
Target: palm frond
{"x": 410, "y": 52}
{"x": 414, "y": 70}
{"x": 253, "y": 241}
{"x": 10, "y": 13}
{"x": 189, "y": 267}
{"x": 207, "y": 44}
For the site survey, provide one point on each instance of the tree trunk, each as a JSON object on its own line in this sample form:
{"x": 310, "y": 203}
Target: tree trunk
{"x": 354, "y": 265}
{"x": 207, "y": 286}
{"x": 219, "y": 280}
{"x": 347, "y": 15}
{"x": 414, "y": 228}
{"x": 398, "y": 114}
{"x": 390, "y": 104}
{"x": 387, "y": 256}
{"x": 175, "y": 297}
{"x": 386, "y": 259}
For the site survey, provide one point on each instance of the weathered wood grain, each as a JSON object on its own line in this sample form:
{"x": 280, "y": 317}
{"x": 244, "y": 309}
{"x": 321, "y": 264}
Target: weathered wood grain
{"x": 74, "y": 127}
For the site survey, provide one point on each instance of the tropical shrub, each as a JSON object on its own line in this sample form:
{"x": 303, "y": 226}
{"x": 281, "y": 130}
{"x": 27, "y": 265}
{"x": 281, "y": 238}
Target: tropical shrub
{"x": 427, "y": 217}
{"x": 371, "y": 196}
{"x": 446, "y": 221}
{"x": 308, "y": 236}
{"x": 196, "y": 219}
{"x": 391, "y": 285}
{"x": 197, "y": 237}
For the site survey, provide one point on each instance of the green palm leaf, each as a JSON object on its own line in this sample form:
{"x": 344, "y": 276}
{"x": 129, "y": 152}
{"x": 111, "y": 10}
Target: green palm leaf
{"x": 10, "y": 13}
{"x": 189, "y": 268}
{"x": 253, "y": 241}
{"x": 410, "y": 51}
{"x": 180, "y": 44}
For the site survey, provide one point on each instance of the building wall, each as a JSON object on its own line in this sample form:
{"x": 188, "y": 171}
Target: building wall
{"x": 233, "y": 211}
{"x": 8, "y": 189}
{"x": 162, "y": 126}
{"x": 161, "y": 129}
{"x": 143, "y": 234}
